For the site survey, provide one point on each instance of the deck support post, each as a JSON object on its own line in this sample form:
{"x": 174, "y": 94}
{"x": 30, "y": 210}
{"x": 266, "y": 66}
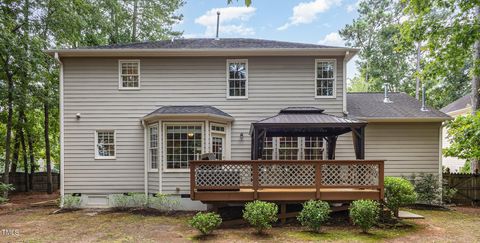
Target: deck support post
{"x": 255, "y": 180}
{"x": 283, "y": 213}
{"x": 318, "y": 180}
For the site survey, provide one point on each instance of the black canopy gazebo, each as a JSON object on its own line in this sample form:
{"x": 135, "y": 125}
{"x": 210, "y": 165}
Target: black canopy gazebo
{"x": 308, "y": 122}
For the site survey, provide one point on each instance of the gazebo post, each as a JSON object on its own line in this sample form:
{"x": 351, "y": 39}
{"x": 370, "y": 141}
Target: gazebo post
{"x": 358, "y": 137}
{"x": 331, "y": 145}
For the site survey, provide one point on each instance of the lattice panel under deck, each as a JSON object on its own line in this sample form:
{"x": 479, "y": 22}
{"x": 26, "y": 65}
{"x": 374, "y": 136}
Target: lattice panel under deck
{"x": 350, "y": 175}
{"x": 218, "y": 175}
{"x": 287, "y": 175}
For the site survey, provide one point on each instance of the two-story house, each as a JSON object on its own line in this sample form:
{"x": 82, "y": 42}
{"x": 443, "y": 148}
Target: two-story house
{"x": 134, "y": 116}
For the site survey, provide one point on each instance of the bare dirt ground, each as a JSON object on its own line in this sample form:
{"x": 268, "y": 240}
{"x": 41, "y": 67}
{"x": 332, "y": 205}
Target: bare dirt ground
{"x": 29, "y": 219}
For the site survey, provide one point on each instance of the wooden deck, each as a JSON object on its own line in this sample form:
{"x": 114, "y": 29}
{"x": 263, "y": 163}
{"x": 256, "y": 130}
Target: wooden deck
{"x": 286, "y": 181}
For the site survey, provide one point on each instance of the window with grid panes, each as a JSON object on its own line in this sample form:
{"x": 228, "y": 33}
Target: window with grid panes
{"x": 325, "y": 79}
{"x": 313, "y": 148}
{"x": 129, "y": 74}
{"x": 105, "y": 144}
{"x": 183, "y": 143}
{"x": 268, "y": 149}
{"x": 287, "y": 148}
{"x": 153, "y": 146}
{"x": 237, "y": 78}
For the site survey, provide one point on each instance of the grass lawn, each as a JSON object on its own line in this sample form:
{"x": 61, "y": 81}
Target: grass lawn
{"x": 37, "y": 224}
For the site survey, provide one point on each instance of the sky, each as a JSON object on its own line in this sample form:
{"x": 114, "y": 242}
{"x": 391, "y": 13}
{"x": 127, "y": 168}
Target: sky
{"x": 304, "y": 21}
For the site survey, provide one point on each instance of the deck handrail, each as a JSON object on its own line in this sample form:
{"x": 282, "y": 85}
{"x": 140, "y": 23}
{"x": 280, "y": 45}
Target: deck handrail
{"x": 260, "y": 174}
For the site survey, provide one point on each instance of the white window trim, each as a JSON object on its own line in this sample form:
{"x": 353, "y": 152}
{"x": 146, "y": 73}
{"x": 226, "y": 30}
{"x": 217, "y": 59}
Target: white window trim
{"x": 120, "y": 82}
{"x": 228, "y": 76}
{"x": 218, "y": 125}
{"x": 97, "y": 157}
{"x": 334, "y": 79}
{"x": 164, "y": 157}
{"x": 150, "y": 169}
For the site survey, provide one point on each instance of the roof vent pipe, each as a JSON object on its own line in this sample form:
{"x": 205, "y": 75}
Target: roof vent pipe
{"x": 386, "y": 99}
{"x": 424, "y": 99}
{"x": 218, "y": 25}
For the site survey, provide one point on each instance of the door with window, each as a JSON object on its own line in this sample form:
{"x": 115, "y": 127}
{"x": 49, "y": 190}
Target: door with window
{"x": 218, "y": 145}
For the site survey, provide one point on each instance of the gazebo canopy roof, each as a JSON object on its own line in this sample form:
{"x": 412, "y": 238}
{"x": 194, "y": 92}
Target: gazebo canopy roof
{"x": 305, "y": 121}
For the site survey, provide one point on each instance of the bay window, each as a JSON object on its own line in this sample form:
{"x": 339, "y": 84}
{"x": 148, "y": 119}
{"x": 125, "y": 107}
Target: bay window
{"x": 183, "y": 142}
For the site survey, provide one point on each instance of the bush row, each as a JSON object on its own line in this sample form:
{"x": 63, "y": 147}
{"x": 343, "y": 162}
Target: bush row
{"x": 261, "y": 215}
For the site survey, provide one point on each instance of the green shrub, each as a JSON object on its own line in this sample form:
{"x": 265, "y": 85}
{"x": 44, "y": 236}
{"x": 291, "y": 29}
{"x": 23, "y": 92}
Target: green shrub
{"x": 162, "y": 202}
{"x": 428, "y": 188}
{"x": 5, "y": 188}
{"x": 205, "y": 222}
{"x": 71, "y": 202}
{"x": 398, "y": 192}
{"x": 260, "y": 214}
{"x": 447, "y": 192}
{"x": 364, "y": 213}
{"x": 314, "y": 214}
{"x": 121, "y": 202}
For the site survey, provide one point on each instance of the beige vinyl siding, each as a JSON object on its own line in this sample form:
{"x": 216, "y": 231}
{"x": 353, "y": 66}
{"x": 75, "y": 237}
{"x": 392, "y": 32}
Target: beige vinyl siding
{"x": 407, "y": 148}
{"x": 153, "y": 181}
{"x": 91, "y": 88}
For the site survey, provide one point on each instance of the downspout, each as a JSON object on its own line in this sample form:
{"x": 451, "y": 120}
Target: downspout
{"x": 62, "y": 131}
{"x": 145, "y": 176}
{"x": 345, "y": 112}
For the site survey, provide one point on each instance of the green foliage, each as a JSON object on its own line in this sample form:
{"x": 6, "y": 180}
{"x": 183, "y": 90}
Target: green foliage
{"x": 427, "y": 187}
{"x": 447, "y": 30}
{"x": 127, "y": 201}
{"x": 70, "y": 202}
{"x": 464, "y": 136}
{"x": 260, "y": 214}
{"x": 205, "y": 222}
{"x": 376, "y": 32}
{"x": 5, "y": 188}
{"x": 398, "y": 192}
{"x": 162, "y": 202}
{"x": 314, "y": 214}
{"x": 447, "y": 192}
{"x": 364, "y": 213}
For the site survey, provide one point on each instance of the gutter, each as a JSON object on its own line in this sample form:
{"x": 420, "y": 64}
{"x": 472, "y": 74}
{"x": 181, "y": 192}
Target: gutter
{"x": 204, "y": 52}
{"x": 145, "y": 160}
{"x": 404, "y": 119}
{"x": 62, "y": 131}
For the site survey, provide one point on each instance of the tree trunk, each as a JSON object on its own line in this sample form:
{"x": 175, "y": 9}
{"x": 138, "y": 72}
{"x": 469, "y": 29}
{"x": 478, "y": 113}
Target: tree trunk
{"x": 16, "y": 148}
{"x": 32, "y": 157}
{"x": 25, "y": 160}
{"x": 476, "y": 86}
{"x": 417, "y": 85}
{"x": 47, "y": 147}
{"x": 8, "y": 137}
{"x": 134, "y": 20}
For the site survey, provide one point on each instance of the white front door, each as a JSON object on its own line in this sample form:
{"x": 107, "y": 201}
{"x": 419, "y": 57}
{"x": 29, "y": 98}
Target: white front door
{"x": 218, "y": 146}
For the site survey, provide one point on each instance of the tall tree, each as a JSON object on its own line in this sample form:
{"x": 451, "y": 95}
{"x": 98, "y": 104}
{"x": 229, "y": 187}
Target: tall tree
{"x": 376, "y": 33}
{"x": 451, "y": 31}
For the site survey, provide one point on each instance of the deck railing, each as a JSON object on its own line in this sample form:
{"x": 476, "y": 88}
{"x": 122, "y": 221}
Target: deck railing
{"x": 257, "y": 175}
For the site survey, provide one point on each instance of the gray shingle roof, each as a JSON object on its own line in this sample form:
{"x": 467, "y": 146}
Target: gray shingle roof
{"x": 210, "y": 43}
{"x": 189, "y": 109}
{"x": 371, "y": 105}
{"x": 459, "y": 104}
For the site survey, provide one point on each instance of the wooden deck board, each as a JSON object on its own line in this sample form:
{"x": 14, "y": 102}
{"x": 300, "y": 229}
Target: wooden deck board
{"x": 288, "y": 194}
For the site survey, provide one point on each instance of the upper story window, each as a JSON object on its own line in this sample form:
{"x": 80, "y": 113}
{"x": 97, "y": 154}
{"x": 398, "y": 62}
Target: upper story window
{"x": 325, "y": 80}
{"x": 237, "y": 78}
{"x": 153, "y": 146}
{"x": 129, "y": 71}
{"x": 105, "y": 144}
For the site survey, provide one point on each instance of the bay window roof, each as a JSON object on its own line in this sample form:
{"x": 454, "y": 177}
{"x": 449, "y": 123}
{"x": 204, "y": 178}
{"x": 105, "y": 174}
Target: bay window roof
{"x": 193, "y": 111}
